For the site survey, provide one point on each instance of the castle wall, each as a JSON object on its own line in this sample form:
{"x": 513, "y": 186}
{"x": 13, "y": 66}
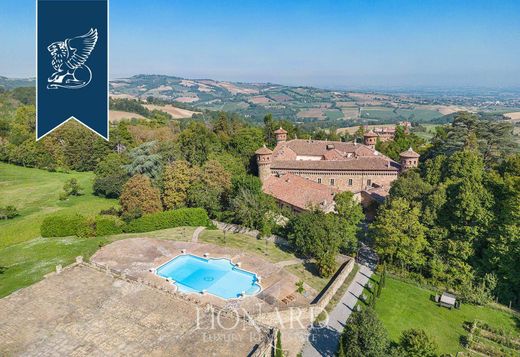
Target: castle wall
{"x": 360, "y": 179}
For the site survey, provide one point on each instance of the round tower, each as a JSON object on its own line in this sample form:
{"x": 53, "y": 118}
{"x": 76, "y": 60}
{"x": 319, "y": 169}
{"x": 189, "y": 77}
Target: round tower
{"x": 281, "y": 135}
{"x": 370, "y": 139}
{"x": 409, "y": 159}
{"x": 263, "y": 160}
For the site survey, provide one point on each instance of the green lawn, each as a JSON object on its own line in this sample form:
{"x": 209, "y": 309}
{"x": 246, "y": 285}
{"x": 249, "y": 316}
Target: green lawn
{"x": 247, "y": 243}
{"x": 25, "y": 263}
{"x": 269, "y": 251}
{"x": 24, "y": 256}
{"x": 35, "y": 194}
{"x": 403, "y": 306}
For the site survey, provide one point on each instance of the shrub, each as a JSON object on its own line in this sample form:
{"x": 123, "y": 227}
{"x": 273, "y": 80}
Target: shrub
{"x": 71, "y": 188}
{"x": 108, "y": 225}
{"x": 169, "y": 219}
{"x": 8, "y": 212}
{"x": 63, "y": 225}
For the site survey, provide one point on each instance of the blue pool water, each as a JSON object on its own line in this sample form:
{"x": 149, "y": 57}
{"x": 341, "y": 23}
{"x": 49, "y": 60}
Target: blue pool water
{"x": 193, "y": 274}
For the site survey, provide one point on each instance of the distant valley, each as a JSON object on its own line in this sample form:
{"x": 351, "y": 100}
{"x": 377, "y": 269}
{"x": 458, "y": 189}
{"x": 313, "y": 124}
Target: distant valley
{"x": 302, "y": 104}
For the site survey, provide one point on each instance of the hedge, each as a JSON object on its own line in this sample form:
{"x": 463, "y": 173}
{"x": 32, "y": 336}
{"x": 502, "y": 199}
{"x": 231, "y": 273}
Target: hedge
{"x": 169, "y": 219}
{"x": 64, "y": 225}
{"x": 108, "y": 225}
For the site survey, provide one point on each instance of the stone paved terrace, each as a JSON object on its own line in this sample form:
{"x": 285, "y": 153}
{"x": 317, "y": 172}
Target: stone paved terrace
{"x": 85, "y": 312}
{"x": 134, "y": 257}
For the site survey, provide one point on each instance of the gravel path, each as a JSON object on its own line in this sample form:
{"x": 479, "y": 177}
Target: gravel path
{"x": 196, "y": 233}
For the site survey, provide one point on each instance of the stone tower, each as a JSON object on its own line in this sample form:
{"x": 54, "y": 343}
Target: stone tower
{"x": 263, "y": 160}
{"x": 370, "y": 139}
{"x": 281, "y": 135}
{"x": 409, "y": 159}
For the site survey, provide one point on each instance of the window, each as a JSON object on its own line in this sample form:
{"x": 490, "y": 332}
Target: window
{"x": 319, "y": 179}
{"x": 350, "y": 182}
{"x": 369, "y": 182}
{"x": 332, "y": 182}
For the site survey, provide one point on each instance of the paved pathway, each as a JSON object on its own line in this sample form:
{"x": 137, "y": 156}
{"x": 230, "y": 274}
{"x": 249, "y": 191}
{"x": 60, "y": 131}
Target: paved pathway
{"x": 323, "y": 341}
{"x": 196, "y": 233}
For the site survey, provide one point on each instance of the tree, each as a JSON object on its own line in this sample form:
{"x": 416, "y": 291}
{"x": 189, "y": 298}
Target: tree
{"x": 493, "y": 139}
{"x": 364, "y": 335}
{"x": 278, "y": 351}
{"x": 177, "y": 179}
{"x": 318, "y": 235}
{"x": 144, "y": 160}
{"x": 253, "y": 209}
{"x": 210, "y": 190}
{"x": 72, "y": 187}
{"x": 196, "y": 142}
{"x": 139, "y": 197}
{"x": 350, "y": 215}
{"x": 110, "y": 176}
{"x": 416, "y": 343}
{"x": 399, "y": 234}
{"x": 82, "y": 149}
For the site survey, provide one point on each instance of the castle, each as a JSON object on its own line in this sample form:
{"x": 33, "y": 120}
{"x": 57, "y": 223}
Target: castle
{"x": 302, "y": 173}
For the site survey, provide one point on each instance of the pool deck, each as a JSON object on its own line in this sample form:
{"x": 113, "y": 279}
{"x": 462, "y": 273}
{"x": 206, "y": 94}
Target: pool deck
{"x": 135, "y": 257}
{"x": 83, "y": 311}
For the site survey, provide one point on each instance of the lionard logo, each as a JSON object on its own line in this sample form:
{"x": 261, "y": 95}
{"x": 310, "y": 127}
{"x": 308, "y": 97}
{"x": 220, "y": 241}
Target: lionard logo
{"x": 68, "y": 60}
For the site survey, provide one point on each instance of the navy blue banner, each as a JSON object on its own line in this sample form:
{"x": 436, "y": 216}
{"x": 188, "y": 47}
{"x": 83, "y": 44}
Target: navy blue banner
{"x": 72, "y": 64}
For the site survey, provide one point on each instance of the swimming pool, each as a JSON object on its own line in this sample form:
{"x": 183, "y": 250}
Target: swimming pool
{"x": 220, "y": 277}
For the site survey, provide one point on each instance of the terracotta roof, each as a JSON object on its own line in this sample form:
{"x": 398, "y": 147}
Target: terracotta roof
{"x": 263, "y": 151}
{"x": 377, "y": 193}
{"x": 318, "y": 147}
{"x": 355, "y": 163}
{"x": 300, "y": 192}
{"x": 409, "y": 153}
{"x": 280, "y": 131}
{"x": 370, "y": 134}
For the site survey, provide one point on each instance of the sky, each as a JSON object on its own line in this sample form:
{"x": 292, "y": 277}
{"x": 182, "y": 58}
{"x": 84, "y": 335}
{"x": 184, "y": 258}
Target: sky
{"x": 324, "y": 43}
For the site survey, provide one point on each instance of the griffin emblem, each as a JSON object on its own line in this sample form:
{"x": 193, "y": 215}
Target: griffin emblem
{"x": 68, "y": 61}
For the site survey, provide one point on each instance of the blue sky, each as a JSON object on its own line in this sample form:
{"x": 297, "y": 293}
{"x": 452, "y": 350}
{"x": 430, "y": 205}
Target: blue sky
{"x": 349, "y": 43}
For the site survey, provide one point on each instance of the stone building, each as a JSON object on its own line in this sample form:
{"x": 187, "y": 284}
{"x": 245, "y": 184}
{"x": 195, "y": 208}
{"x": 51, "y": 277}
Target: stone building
{"x": 328, "y": 167}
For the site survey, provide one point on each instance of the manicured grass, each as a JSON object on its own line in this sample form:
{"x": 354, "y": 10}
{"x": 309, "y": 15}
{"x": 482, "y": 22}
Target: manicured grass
{"x": 27, "y": 262}
{"x": 35, "y": 194}
{"x": 403, "y": 306}
{"x": 269, "y": 251}
{"x": 247, "y": 243}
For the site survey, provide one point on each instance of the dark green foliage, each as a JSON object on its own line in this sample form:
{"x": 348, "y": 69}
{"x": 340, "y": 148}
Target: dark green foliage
{"x": 349, "y": 214}
{"x": 108, "y": 225}
{"x": 129, "y": 105}
{"x": 169, "y": 219}
{"x": 493, "y": 139}
{"x": 144, "y": 160}
{"x": 8, "y": 212}
{"x": 64, "y": 225}
{"x": 196, "y": 142}
{"x": 110, "y": 176}
{"x": 278, "y": 351}
{"x": 364, "y": 335}
{"x": 402, "y": 142}
{"x": 317, "y": 235}
{"x": 469, "y": 214}
{"x": 416, "y": 343}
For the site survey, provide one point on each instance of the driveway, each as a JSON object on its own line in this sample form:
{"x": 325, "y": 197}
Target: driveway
{"x": 323, "y": 340}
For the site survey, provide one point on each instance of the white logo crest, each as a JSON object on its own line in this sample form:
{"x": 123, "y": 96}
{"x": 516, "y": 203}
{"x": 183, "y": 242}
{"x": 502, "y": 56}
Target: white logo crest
{"x": 68, "y": 61}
